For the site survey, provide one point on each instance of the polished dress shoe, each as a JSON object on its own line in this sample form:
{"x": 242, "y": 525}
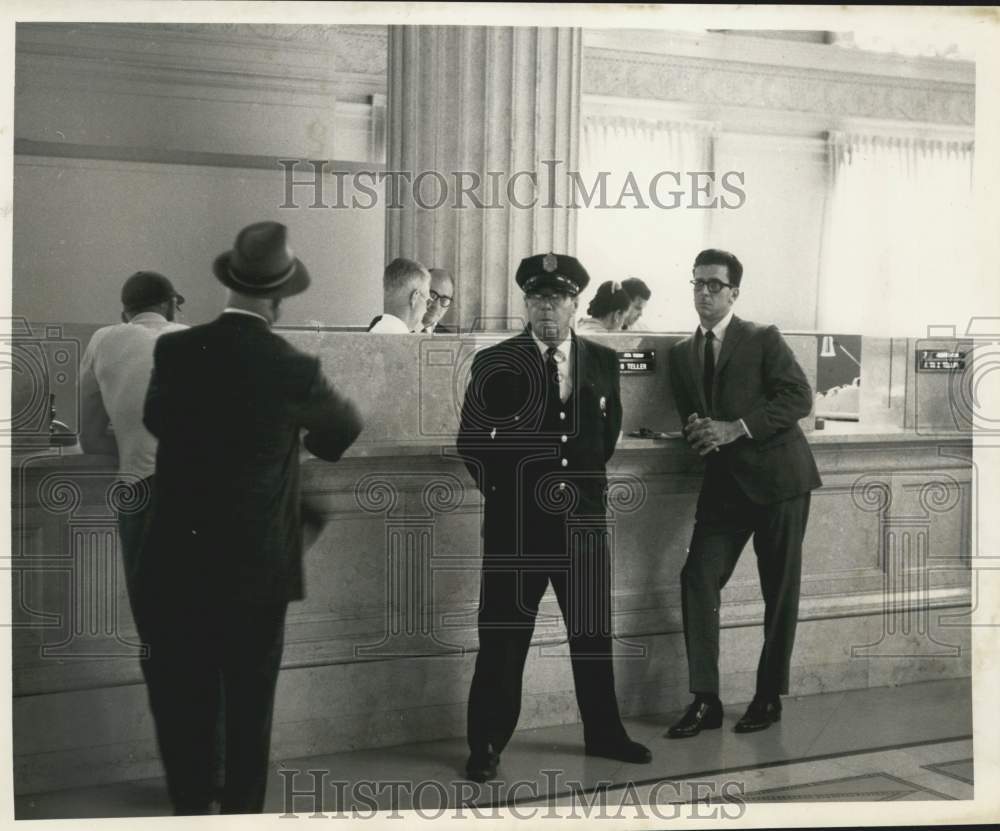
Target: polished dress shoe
{"x": 623, "y": 749}
{"x": 760, "y": 715}
{"x": 703, "y": 714}
{"x": 482, "y": 766}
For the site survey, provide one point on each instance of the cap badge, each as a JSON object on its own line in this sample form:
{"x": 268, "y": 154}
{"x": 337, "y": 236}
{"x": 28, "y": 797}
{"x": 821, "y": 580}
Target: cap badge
{"x": 550, "y": 262}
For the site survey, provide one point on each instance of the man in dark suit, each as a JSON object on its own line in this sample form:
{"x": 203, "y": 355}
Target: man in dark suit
{"x": 223, "y": 556}
{"x": 540, "y": 420}
{"x": 740, "y": 394}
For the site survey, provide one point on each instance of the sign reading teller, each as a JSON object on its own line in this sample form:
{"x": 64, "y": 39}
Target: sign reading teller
{"x": 631, "y": 363}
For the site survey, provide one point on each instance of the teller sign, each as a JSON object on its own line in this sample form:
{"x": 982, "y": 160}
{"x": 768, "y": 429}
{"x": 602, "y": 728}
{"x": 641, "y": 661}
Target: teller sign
{"x": 939, "y": 360}
{"x": 633, "y": 363}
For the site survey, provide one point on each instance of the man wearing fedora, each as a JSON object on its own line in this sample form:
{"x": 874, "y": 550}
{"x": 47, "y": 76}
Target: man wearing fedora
{"x": 540, "y": 420}
{"x": 223, "y": 557}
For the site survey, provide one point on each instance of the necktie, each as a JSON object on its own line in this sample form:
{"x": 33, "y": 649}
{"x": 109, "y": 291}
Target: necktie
{"x": 709, "y": 369}
{"x": 552, "y": 373}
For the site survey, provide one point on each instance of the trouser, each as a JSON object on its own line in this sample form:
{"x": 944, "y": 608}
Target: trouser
{"x": 202, "y": 658}
{"x": 726, "y": 520}
{"x": 510, "y": 594}
{"x": 133, "y": 525}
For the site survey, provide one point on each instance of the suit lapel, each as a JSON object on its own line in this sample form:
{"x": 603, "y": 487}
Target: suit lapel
{"x": 734, "y": 334}
{"x": 582, "y": 365}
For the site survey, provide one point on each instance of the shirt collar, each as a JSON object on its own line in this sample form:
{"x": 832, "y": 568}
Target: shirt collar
{"x": 564, "y": 348}
{"x": 148, "y": 317}
{"x": 230, "y": 310}
{"x": 719, "y": 330}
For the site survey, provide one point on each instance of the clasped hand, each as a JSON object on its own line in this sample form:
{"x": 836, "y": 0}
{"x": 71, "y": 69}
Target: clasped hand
{"x": 706, "y": 435}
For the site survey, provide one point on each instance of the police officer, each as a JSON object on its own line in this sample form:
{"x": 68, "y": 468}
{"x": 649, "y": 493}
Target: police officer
{"x": 540, "y": 420}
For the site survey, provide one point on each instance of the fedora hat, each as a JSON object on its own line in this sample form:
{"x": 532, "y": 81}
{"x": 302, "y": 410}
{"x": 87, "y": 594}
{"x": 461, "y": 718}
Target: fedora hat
{"x": 261, "y": 264}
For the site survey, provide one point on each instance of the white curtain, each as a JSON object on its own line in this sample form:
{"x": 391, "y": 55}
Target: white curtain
{"x": 898, "y": 248}
{"x": 653, "y": 243}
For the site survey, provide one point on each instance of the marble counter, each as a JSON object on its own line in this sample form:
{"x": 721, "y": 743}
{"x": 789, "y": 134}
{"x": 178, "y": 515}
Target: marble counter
{"x": 381, "y": 650}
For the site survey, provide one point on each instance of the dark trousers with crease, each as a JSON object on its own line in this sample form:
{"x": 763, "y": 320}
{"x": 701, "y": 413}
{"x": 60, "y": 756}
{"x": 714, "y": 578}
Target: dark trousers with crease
{"x": 133, "y": 525}
{"x": 205, "y": 659}
{"x": 510, "y": 594}
{"x": 725, "y": 521}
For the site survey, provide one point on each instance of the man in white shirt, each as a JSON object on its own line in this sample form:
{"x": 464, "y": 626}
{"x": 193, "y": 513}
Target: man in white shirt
{"x": 114, "y": 377}
{"x": 406, "y": 289}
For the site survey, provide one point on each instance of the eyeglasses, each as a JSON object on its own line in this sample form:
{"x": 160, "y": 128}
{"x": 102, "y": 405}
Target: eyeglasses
{"x": 713, "y": 286}
{"x": 443, "y": 300}
{"x": 537, "y": 297}
{"x": 178, "y": 301}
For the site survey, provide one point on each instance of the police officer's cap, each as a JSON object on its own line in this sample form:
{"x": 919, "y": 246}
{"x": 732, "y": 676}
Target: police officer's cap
{"x": 556, "y": 271}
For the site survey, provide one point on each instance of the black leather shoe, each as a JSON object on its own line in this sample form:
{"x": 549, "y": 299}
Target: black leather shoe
{"x": 760, "y": 715}
{"x": 703, "y": 714}
{"x": 482, "y": 766}
{"x": 624, "y": 750}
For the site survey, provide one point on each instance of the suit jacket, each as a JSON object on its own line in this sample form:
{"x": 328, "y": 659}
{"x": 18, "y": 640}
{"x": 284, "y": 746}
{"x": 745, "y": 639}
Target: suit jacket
{"x": 227, "y": 401}
{"x": 515, "y": 455}
{"x": 757, "y": 379}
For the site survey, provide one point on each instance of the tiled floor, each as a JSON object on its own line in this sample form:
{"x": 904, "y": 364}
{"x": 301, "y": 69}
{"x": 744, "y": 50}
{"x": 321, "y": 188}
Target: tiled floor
{"x": 911, "y": 742}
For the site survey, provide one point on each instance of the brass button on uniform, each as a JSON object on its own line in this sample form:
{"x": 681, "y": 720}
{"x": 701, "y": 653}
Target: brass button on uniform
{"x": 562, "y": 416}
{"x": 565, "y": 462}
{"x": 564, "y": 439}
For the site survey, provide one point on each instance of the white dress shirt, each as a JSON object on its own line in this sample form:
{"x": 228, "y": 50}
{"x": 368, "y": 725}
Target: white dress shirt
{"x": 114, "y": 377}
{"x": 390, "y": 324}
{"x": 719, "y": 331}
{"x": 563, "y": 357}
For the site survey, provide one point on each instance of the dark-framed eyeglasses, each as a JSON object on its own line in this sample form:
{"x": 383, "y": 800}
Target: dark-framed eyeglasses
{"x": 714, "y": 286}
{"x": 443, "y": 300}
{"x": 178, "y": 301}
{"x": 555, "y": 297}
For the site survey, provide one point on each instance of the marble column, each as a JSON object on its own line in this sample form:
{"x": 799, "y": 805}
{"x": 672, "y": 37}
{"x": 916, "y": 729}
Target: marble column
{"x": 486, "y": 103}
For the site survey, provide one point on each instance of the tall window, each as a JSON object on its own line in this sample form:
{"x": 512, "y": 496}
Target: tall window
{"x": 899, "y": 251}
{"x": 633, "y": 237}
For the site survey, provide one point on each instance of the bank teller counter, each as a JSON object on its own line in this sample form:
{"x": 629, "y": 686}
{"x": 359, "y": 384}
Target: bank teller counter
{"x": 381, "y": 651}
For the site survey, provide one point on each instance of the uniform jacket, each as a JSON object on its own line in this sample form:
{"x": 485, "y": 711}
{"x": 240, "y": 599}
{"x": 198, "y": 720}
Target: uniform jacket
{"x": 757, "y": 379}
{"x": 227, "y": 401}
{"x": 515, "y": 449}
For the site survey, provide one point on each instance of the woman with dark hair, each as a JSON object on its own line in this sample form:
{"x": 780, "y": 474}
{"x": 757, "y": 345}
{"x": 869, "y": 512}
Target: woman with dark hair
{"x": 606, "y": 312}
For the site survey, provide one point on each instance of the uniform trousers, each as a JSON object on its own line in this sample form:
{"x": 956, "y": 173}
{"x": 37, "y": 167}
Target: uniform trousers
{"x": 510, "y": 593}
{"x": 725, "y": 521}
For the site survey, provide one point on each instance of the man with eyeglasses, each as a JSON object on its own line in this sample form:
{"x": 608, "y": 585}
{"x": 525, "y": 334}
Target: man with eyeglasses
{"x": 441, "y": 295}
{"x": 740, "y": 394}
{"x": 406, "y": 287}
{"x": 540, "y": 420}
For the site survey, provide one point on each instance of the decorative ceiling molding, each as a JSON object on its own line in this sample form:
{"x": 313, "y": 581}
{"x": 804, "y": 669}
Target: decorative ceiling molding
{"x": 318, "y": 54}
{"x": 717, "y": 82}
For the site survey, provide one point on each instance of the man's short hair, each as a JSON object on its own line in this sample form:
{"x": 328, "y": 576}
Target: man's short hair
{"x": 634, "y": 287}
{"x": 401, "y": 273}
{"x": 716, "y": 256}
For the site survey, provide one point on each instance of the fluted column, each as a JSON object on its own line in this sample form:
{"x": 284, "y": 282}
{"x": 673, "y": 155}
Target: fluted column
{"x": 486, "y": 103}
